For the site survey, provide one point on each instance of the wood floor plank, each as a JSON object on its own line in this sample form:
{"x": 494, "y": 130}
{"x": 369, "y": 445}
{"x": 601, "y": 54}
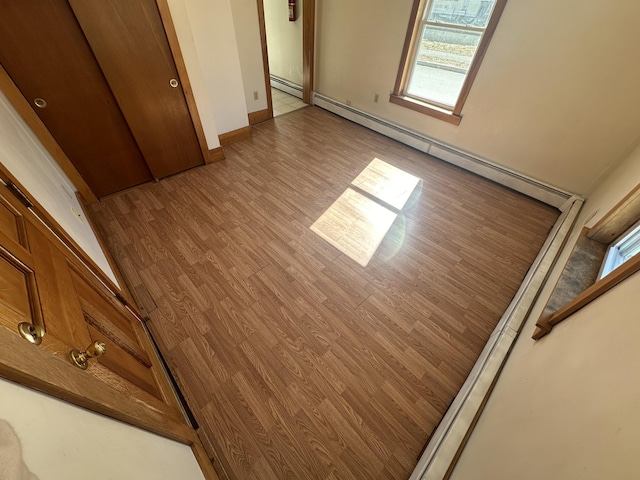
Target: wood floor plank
{"x": 296, "y": 361}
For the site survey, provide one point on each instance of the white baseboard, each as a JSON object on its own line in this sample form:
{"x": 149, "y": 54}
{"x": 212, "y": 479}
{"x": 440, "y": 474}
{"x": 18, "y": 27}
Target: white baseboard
{"x": 516, "y": 181}
{"x": 286, "y": 86}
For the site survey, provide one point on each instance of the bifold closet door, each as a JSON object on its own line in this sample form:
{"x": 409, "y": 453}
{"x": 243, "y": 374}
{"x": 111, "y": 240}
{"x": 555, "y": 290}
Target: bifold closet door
{"x": 44, "y": 51}
{"x": 129, "y": 42}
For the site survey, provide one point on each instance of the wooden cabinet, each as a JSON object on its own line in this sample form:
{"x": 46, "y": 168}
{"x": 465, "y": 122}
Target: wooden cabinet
{"x": 106, "y": 85}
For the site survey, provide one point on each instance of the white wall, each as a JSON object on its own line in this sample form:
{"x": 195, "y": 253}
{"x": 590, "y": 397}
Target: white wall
{"x": 556, "y": 97}
{"x": 207, "y": 37}
{"x": 62, "y": 442}
{"x": 27, "y": 159}
{"x": 245, "y": 19}
{"x": 284, "y": 40}
{"x": 566, "y": 406}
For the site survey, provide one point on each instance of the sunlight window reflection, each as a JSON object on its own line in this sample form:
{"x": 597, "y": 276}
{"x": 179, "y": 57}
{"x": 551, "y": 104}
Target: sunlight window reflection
{"x": 357, "y": 222}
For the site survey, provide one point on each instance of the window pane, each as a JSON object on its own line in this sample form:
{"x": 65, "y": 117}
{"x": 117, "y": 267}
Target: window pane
{"x": 442, "y": 63}
{"x": 470, "y": 13}
{"x": 630, "y": 245}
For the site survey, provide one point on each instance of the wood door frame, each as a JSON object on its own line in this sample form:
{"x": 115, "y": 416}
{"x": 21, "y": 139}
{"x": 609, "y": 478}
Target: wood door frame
{"x": 214, "y": 154}
{"x": 37, "y": 126}
{"x": 265, "y": 57}
{"x": 308, "y": 51}
{"x": 23, "y": 107}
{"x": 22, "y": 363}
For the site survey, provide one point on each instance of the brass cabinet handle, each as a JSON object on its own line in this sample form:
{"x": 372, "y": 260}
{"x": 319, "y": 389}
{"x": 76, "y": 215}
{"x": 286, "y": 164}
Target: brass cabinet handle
{"x": 31, "y": 333}
{"x": 81, "y": 359}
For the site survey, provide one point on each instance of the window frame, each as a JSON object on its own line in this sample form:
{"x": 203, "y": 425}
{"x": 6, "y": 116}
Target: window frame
{"x": 614, "y": 258}
{"x": 414, "y": 32}
{"x": 617, "y": 223}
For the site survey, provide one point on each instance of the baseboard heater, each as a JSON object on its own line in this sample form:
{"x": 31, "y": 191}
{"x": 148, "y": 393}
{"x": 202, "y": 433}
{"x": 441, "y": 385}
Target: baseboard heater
{"x": 448, "y": 440}
{"x": 514, "y": 180}
{"x": 286, "y": 86}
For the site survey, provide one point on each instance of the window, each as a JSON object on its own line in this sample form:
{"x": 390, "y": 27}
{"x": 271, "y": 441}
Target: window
{"x": 622, "y": 250}
{"x": 443, "y": 50}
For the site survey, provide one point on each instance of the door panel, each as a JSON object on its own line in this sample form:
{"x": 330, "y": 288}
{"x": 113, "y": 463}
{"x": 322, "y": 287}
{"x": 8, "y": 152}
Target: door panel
{"x": 9, "y": 222}
{"x": 44, "y": 51}
{"x": 125, "y": 365}
{"x": 45, "y": 284}
{"x": 18, "y": 295}
{"x": 109, "y": 322}
{"x": 129, "y": 42}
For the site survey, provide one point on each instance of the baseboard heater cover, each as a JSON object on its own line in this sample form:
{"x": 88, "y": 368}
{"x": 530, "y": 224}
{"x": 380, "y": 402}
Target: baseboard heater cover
{"x": 446, "y": 443}
{"x": 485, "y": 168}
{"x": 286, "y": 86}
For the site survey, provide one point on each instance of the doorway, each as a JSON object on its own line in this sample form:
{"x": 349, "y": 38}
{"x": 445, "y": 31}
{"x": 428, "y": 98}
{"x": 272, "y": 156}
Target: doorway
{"x": 287, "y": 33}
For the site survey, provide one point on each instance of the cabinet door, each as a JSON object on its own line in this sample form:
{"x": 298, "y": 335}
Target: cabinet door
{"x": 43, "y": 285}
{"x": 44, "y": 51}
{"x": 129, "y": 42}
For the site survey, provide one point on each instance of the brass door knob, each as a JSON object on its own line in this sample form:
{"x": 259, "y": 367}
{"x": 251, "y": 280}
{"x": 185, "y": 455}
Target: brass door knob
{"x": 81, "y": 359}
{"x": 31, "y": 333}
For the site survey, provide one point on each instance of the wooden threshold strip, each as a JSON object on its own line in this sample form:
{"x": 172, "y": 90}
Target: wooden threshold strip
{"x": 624, "y": 271}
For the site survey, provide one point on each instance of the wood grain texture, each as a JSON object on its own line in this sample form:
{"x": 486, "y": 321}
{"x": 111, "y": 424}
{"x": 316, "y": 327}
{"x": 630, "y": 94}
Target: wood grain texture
{"x": 214, "y": 155}
{"x": 422, "y": 107}
{"x": 128, "y": 40}
{"x": 181, "y": 67}
{"x": 620, "y": 218}
{"x": 265, "y": 56}
{"x": 308, "y": 49}
{"x": 125, "y": 291}
{"x": 234, "y": 136}
{"x": 23, "y": 364}
{"x": 297, "y": 362}
{"x": 66, "y": 239}
{"x": 40, "y": 130}
{"x": 545, "y": 324}
{"x": 42, "y": 282}
{"x": 44, "y": 51}
{"x": 261, "y": 115}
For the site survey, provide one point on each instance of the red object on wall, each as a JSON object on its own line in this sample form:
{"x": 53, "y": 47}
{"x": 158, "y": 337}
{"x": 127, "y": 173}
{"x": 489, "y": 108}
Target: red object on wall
{"x": 292, "y": 10}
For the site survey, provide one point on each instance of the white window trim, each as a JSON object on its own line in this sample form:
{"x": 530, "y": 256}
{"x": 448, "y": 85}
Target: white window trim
{"x": 621, "y": 250}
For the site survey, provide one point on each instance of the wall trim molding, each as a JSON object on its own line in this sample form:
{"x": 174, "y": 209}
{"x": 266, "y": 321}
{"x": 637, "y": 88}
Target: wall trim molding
{"x": 214, "y": 155}
{"x": 260, "y": 116}
{"x": 521, "y": 183}
{"x": 181, "y": 68}
{"x": 286, "y": 86}
{"x": 234, "y": 136}
{"x": 265, "y": 55}
{"x": 450, "y": 437}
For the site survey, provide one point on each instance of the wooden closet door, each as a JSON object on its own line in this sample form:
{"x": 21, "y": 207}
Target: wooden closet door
{"x": 46, "y": 54}
{"x": 129, "y": 42}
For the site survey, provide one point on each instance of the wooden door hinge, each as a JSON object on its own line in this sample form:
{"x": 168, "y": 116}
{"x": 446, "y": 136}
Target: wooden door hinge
{"x": 19, "y": 194}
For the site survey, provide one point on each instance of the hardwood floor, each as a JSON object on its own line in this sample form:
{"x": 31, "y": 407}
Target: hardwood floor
{"x": 298, "y": 362}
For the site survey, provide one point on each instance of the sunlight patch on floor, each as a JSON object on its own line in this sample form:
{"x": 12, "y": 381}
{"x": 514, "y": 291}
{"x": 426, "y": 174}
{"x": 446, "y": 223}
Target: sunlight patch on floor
{"x": 387, "y": 183}
{"x": 356, "y": 223}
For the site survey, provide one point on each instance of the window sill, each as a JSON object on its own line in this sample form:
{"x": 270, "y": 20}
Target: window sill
{"x": 611, "y": 225}
{"x": 425, "y": 108}
{"x": 624, "y": 271}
